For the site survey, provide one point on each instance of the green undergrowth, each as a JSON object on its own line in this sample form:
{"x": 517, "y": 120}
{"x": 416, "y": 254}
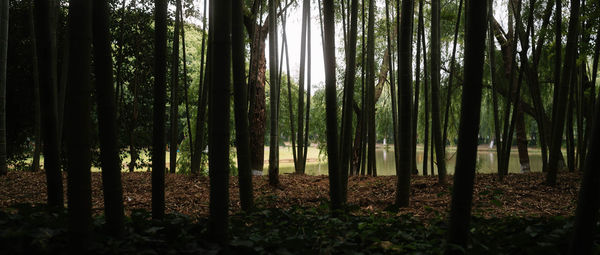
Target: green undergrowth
{"x": 26, "y": 229}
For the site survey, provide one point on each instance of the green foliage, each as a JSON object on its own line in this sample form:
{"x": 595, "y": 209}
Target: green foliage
{"x": 38, "y": 230}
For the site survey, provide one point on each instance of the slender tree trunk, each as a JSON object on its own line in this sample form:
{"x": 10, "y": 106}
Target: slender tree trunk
{"x": 37, "y": 118}
{"x": 186, "y": 85}
{"x": 452, "y": 74}
{"x": 107, "y": 120}
{"x": 570, "y": 137}
{"x": 160, "y": 94}
{"x": 405, "y": 103}
{"x": 466, "y": 155}
{"x": 393, "y": 90}
{"x": 240, "y": 106}
{"x": 586, "y": 214}
{"x": 201, "y": 105}
{"x": 3, "y": 63}
{"x": 350, "y": 75}
{"x": 78, "y": 125}
{"x": 421, "y": 34}
{"x": 219, "y": 121}
{"x": 174, "y": 90}
{"x": 493, "y": 81}
{"x": 435, "y": 90}
{"x": 370, "y": 84}
{"x": 331, "y": 104}
{"x": 274, "y": 97}
{"x": 300, "y": 167}
{"x": 559, "y": 118}
{"x": 46, "y": 34}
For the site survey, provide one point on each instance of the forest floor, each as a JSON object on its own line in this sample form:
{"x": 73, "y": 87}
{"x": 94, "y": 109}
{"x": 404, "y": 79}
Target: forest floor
{"x": 520, "y": 195}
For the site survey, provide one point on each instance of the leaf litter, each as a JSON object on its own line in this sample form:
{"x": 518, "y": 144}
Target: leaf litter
{"x": 519, "y": 195}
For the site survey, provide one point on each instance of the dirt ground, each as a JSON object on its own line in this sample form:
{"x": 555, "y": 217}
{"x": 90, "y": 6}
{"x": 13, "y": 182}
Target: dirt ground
{"x": 519, "y": 195}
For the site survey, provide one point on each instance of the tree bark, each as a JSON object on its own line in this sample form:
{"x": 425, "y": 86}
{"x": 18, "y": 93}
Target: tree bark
{"x": 331, "y": 105}
{"x": 160, "y": 94}
{"x": 3, "y": 63}
{"x": 274, "y": 97}
{"x": 466, "y": 155}
{"x": 558, "y": 119}
{"x": 78, "y": 125}
{"x": 435, "y": 91}
{"x": 586, "y": 213}
{"x": 37, "y": 118}
{"x": 405, "y": 103}
{"x": 107, "y": 120}
{"x": 452, "y": 74}
{"x": 426, "y": 95}
{"x": 201, "y": 105}
{"x": 349, "y": 78}
{"x": 46, "y": 34}
{"x": 370, "y": 85}
{"x": 219, "y": 122}
{"x": 241, "y": 108}
{"x": 174, "y": 134}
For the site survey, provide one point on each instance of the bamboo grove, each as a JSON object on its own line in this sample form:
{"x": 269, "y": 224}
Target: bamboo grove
{"x": 450, "y": 70}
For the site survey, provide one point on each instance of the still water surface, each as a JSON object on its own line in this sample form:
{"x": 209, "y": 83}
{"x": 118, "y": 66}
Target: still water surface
{"x": 486, "y": 163}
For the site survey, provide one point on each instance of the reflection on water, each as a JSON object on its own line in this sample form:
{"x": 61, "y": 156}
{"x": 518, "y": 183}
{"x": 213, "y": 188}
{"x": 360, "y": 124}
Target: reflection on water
{"x": 486, "y": 163}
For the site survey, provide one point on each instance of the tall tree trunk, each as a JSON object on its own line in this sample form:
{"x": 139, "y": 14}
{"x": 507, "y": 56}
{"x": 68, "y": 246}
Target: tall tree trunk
{"x": 393, "y": 90}
{"x": 186, "y": 85}
{"x": 37, "y": 118}
{"x": 349, "y": 78}
{"x": 570, "y": 137}
{"x": 219, "y": 121}
{"x": 331, "y": 104}
{"x": 370, "y": 85}
{"x": 404, "y": 103}
{"x": 46, "y": 34}
{"x": 160, "y": 94}
{"x": 240, "y": 106}
{"x": 466, "y": 155}
{"x": 174, "y": 134}
{"x": 300, "y": 167}
{"x": 435, "y": 91}
{"x": 452, "y": 74}
{"x": 586, "y": 214}
{"x": 78, "y": 125}
{"x": 3, "y": 63}
{"x": 274, "y": 97}
{"x": 201, "y": 105}
{"x": 558, "y": 120}
{"x": 107, "y": 120}
{"x": 421, "y": 34}
{"x": 257, "y": 113}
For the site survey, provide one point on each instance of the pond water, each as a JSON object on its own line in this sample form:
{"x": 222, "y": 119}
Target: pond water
{"x": 487, "y": 162}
